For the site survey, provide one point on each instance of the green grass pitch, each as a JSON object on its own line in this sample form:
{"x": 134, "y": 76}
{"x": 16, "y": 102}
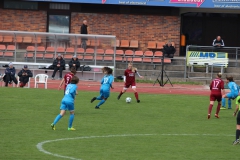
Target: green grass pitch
{"x": 176, "y": 127}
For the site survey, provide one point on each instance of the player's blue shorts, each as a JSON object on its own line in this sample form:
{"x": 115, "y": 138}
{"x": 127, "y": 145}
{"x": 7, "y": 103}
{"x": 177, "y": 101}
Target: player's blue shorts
{"x": 104, "y": 93}
{"x": 232, "y": 95}
{"x": 67, "y": 105}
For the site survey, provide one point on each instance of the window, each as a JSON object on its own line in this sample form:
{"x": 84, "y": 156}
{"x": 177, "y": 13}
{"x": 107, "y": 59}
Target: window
{"x": 58, "y": 23}
{"x": 20, "y": 5}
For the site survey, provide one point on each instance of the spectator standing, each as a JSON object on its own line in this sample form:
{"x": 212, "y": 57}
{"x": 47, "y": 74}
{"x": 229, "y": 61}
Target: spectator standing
{"x": 218, "y": 42}
{"x": 84, "y": 30}
{"x": 168, "y": 50}
{"x": 58, "y": 64}
{"x": 24, "y": 75}
{"x": 74, "y": 62}
{"x": 10, "y": 75}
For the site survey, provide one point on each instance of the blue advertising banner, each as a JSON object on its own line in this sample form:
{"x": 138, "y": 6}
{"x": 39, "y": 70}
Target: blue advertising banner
{"x": 222, "y": 4}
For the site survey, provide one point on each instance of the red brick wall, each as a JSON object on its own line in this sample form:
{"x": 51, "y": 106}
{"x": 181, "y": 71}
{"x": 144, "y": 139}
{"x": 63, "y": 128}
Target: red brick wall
{"x": 131, "y": 27}
{"x": 20, "y": 20}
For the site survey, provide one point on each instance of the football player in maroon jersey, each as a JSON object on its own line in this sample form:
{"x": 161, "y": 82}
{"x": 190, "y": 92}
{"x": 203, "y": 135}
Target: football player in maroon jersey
{"x": 67, "y": 78}
{"x": 129, "y": 79}
{"x": 216, "y": 87}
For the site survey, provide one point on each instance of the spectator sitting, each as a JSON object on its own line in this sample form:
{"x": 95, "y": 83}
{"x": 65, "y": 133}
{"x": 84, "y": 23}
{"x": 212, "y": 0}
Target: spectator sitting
{"x": 218, "y": 42}
{"x": 74, "y": 62}
{"x": 10, "y": 75}
{"x": 58, "y": 64}
{"x": 24, "y": 75}
{"x": 168, "y": 50}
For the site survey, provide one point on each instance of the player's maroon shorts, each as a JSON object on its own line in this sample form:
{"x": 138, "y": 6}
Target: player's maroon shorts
{"x": 215, "y": 96}
{"x": 127, "y": 85}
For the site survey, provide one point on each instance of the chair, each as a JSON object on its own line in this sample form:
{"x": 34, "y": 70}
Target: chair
{"x": 158, "y": 54}
{"x": 124, "y": 43}
{"x": 41, "y": 79}
{"x": 108, "y": 58}
{"x": 69, "y": 50}
{"x": 80, "y": 50}
{"x": 151, "y": 45}
{"x": 27, "y": 39}
{"x": 160, "y": 45}
{"x": 138, "y": 53}
{"x": 90, "y": 51}
{"x": 118, "y": 59}
{"x": 99, "y": 58}
{"x": 2, "y": 48}
{"x": 167, "y": 60}
{"x": 60, "y": 50}
{"x": 109, "y": 52}
{"x": 30, "y": 50}
{"x": 100, "y": 51}
{"x": 147, "y": 60}
{"x": 1, "y": 38}
{"x": 10, "y": 48}
{"x": 19, "y": 39}
{"x": 7, "y": 39}
{"x": 90, "y": 58}
{"x": 37, "y": 40}
{"x": 48, "y": 56}
{"x": 133, "y": 44}
{"x": 28, "y": 84}
{"x": 119, "y": 52}
{"x": 157, "y": 60}
{"x": 50, "y": 50}
{"x": 148, "y": 54}
{"x": 40, "y": 51}
{"x": 129, "y": 53}
{"x": 137, "y": 59}
{"x": 117, "y": 44}
{"x": 68, "y": 56}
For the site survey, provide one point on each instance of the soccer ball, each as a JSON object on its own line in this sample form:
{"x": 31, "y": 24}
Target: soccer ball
{"x": 128, "y": 99}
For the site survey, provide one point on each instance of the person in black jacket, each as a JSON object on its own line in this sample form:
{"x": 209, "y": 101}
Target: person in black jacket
{"x": 24, "y": 75}
{"x": 218, "y": 42}
{"x": 58, "y": 64}
{"x": 74, "y": 63}
{"x": 168, "y": 50}
{"x": 84, "y": 30}
{"x": 10, "y": 75}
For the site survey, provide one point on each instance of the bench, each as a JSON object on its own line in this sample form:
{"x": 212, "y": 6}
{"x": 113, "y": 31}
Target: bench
{"x": 95, "y": 74}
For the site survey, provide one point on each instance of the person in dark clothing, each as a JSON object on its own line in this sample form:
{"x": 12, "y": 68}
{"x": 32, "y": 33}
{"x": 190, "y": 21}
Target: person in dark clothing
{"x": 24, "y": 75}
{"x": 58, "y": 64}
{"x": 218, "y": 42}
{"x": 74, "y": 63}
{"x": 10, "y": 75}
{"x": 168, "y": 50}
{"x": 84, "y": 30}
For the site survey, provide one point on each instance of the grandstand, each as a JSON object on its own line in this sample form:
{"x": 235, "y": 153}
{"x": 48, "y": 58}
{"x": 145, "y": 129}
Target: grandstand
{"x": 35, "y": 31}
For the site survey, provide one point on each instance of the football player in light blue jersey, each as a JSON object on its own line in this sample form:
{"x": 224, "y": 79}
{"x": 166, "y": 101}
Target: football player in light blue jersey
{"x": 234, "y": 91}
{"x": 106, "y": 84}
{"x": 68, "y": 103}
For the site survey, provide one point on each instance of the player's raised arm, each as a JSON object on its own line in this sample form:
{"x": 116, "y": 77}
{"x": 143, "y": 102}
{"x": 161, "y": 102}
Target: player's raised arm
{"x": 138, "y": 73}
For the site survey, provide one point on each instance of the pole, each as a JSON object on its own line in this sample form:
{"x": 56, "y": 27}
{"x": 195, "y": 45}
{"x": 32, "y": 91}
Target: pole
{"x": 161, "y": 84}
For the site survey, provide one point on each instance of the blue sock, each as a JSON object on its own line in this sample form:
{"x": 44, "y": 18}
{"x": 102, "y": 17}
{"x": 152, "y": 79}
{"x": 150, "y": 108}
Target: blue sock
{"x": 229, "y": 103}
{"x": 223, "y": 102}
{"x": 71, "y": 118}
{"x": 99, "y": 98}
{"x": 57, "y": 119}
{"x": 100, "y": 103}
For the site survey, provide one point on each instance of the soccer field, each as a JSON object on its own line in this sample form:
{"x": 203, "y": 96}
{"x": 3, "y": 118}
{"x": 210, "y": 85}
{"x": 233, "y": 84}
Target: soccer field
{"x": 161, "y": 127}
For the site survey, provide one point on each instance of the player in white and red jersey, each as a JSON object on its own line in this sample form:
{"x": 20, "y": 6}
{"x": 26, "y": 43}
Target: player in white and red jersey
{"x": 216, "y": 87}
{"x": 67, "y": 78}
{"x": 129, "y": 79}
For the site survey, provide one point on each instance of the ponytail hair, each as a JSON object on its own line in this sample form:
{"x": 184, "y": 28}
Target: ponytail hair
{"x": 134, "y": 69}
{"x": 219, "y": 75}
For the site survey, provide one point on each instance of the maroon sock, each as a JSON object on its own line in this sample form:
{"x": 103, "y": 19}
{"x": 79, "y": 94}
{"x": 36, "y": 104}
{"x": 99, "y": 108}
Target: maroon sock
{"x": 121, "y": 93}
{"x": 218, "y": 108}
{"x": 136, "y": 95}
{"x": 210, "y": 109}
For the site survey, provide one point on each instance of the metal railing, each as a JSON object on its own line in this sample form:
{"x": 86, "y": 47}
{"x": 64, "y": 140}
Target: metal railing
{"x": 232, "y": 54}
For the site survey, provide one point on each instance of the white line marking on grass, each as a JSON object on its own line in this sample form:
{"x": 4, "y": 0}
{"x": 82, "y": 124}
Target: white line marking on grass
{"x": 40, "y": 145}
